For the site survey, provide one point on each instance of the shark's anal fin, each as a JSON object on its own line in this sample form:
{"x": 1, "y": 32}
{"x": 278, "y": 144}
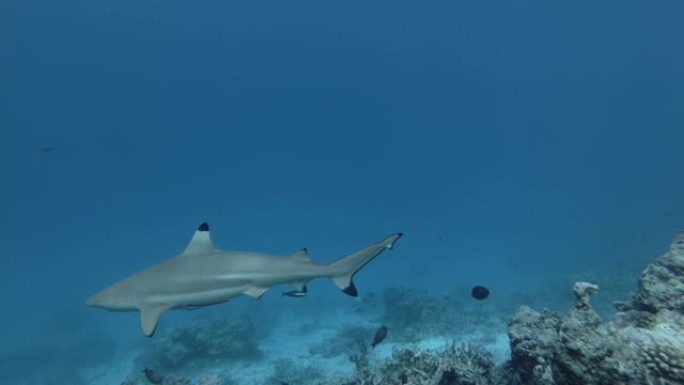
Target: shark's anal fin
{"x": 256, "y": 292}
{"x": 149, "y": 318}
{"x": 300, "y": 286}
{"x": 201, "y": 242}
{"x": 301, "y": 256}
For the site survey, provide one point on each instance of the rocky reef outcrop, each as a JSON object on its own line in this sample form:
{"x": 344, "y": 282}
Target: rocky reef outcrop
{"x": 643, "y": 344}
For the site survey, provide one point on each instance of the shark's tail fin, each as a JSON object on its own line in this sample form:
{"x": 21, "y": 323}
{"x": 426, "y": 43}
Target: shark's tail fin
{"x": 343, "y": 270}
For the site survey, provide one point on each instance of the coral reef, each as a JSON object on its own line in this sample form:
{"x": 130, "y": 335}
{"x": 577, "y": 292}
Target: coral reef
{"x": 344, "y": 342}
{"x": 455, "y": 365}
{"x": 202, "y": 379}
{"x": 413, "y": 315}
{"x": 290, "y": 372}
{"x": 643, "y": 345}
{"x": 202, "y": 342}
{"x": 464, "y": 365}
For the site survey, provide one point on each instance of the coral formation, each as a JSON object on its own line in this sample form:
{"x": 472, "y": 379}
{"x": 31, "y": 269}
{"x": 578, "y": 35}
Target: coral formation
{"x": 413, "y": 315}
{"x": 289, "y": 372}
{"x": 465, "y": 365}
{"x": 643, "y": 345}
{"x": 204, "y": 379}
{"x": 202, "y": 342}
{"x": 345, "y": 341}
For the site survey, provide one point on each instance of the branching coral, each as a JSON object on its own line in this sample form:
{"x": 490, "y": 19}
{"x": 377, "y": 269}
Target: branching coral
{"x": 465, "y": 365}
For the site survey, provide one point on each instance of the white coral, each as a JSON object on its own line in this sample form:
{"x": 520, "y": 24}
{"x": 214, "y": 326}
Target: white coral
{"x": 662, "y": 352}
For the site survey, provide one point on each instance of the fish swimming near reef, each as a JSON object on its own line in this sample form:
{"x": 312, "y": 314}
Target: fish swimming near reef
{"x": 153, "y": 376}
{"x": 480, "y": 292}
{"x": 379, "y": 336}
{"x": 203, "y": 275}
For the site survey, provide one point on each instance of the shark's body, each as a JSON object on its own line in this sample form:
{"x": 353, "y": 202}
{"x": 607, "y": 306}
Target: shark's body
{"x": 203, "y": 275}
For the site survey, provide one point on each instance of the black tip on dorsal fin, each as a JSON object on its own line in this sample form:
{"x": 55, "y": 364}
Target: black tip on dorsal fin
{"x": 203, "y": 227}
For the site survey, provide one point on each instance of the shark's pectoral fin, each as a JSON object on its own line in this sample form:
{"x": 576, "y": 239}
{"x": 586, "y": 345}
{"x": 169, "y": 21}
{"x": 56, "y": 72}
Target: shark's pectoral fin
{"x": 149, "y": 317}
{"x": 256, "y": 292}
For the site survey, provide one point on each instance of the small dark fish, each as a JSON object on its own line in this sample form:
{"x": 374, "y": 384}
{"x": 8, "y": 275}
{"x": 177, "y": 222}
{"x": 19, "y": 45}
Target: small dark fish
{"x": 295, "y": 293}
{"x": 152, "y": 376}
{"x": 379, "y": 336}
{"x": 47, "y": 149}
{"x": 480, "y": 292}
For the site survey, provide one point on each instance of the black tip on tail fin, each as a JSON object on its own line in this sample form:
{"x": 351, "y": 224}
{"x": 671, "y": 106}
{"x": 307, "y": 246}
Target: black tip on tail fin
{"x": 351, "y": 290}
{"x": 203, "y": 227}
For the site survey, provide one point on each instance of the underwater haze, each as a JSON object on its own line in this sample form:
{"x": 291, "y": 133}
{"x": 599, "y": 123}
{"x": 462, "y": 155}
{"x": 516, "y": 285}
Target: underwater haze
{"x": 518, "y": 145}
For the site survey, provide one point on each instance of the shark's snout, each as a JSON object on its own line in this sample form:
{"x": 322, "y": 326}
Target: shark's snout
{"x": 93, "y": 300}
{"x": 98, "y": 300}
{"x": 110, "y": 299}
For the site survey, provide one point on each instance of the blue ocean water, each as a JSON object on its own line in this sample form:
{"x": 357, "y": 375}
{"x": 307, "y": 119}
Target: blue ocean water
{"x": 515, "y": 143}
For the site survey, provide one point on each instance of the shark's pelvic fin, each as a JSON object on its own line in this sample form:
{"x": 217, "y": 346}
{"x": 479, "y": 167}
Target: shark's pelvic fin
{"x": 256, "y": 292}
{"x": 344, "y": 269}
{"x": 149, "y": 317}
{"x": 201, "y": 242}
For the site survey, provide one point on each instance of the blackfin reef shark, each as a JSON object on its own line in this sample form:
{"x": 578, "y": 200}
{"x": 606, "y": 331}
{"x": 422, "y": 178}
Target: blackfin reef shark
{"x": 203, "y": 275}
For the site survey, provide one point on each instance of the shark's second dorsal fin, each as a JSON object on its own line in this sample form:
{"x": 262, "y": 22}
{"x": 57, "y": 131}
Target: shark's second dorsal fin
{"x": 301, "y": 255}
{"x": 200, "y": 242}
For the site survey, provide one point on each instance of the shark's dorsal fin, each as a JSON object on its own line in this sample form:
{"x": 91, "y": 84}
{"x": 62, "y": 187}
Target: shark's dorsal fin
{"x": 149, "y": 317}
{"x": 301, "y": 255}
{"x": 200, "y": 242}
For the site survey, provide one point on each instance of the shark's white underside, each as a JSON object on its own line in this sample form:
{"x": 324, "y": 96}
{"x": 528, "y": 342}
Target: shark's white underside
{"x": 203, "y": 275}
